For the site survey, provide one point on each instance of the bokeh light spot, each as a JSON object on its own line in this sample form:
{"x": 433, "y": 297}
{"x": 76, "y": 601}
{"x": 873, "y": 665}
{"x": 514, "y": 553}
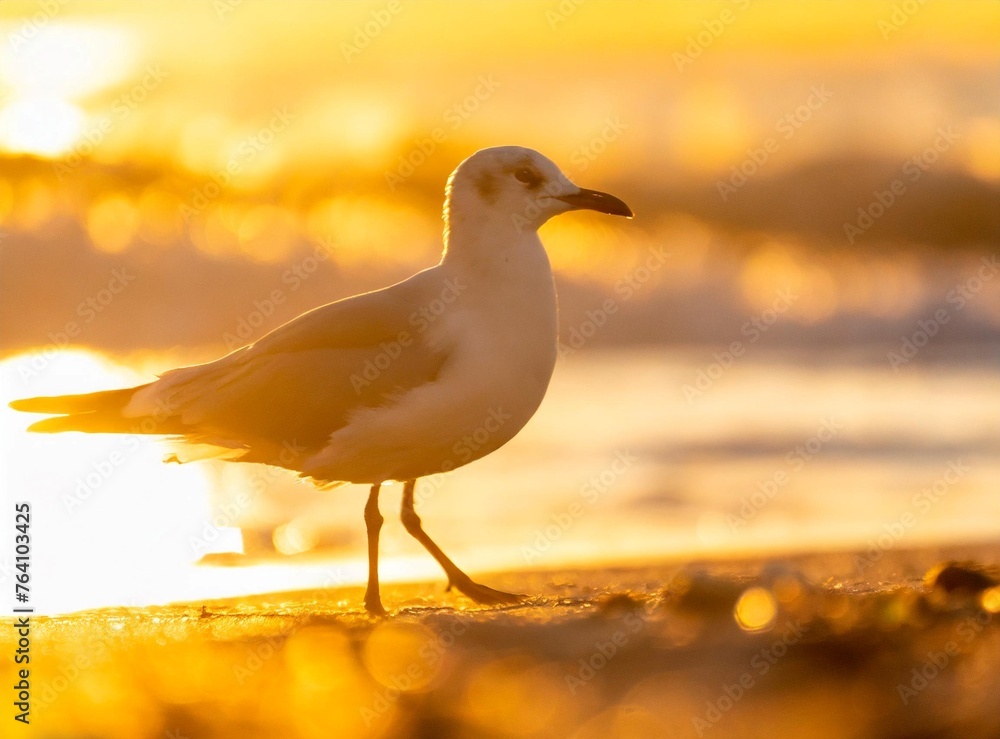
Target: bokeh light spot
{"x": 401, "y": 655}
{"x": 990, "y": 600}
{"x": 293, "y": 538}
{"x": 112, "y": 223}
{"x": 756, "y": 610}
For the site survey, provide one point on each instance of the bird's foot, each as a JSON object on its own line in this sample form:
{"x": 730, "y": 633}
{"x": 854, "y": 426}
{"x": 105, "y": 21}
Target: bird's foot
{"x": 373, "y": 604}
{"x": 482, "y": 594}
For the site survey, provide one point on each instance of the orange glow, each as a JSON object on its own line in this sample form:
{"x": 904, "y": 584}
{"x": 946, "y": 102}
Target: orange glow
{"x": 46, "y": 68}
{"x": 366, "y": 228}
{"x": 518, "y": 697}
{"x": 400, "y": 655}
{"x": 6, "y": 200}
{"x": 33, "y": 204}
{"x": 112, "y": 223}
{"x": 335, "y": 669}
{"x": 733, "y": 481}
{"x": 712, "y": 129}
{"x": 584, "y": 248}
{"x": 71, "y": 72}
{"x": 756, "y": 610}
{"x": 267, "y": 233}
{"x": 160, "y": 221}
{"x": 983, "y": 150}
{"x": 324, "y": 672}
{"x": 199, "y": 144}
{"x": 990, "y": 600}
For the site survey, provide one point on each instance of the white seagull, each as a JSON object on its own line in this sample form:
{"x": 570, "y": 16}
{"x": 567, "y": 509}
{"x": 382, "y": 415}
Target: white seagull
{"x": 417, "y": 378}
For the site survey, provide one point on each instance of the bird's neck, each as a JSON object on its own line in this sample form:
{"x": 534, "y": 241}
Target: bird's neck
{"x": 487, "y": 241}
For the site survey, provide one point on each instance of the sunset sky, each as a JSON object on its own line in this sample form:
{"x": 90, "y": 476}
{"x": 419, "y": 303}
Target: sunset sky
{"x": 694, "y": 84}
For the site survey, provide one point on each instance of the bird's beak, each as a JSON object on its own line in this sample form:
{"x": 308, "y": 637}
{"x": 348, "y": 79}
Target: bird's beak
{"x": 594, "y": 200}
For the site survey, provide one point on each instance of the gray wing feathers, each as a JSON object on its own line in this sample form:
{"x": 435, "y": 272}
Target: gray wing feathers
{"x": 304, "y": 396}
{"x": 301, "y": 382}
{"x": 362, "y": 320}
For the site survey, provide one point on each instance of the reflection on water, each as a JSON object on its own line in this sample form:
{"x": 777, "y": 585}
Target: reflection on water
{"x": 775, "y": 454}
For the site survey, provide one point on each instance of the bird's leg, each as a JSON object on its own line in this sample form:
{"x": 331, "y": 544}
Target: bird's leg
{"x": 456, "y": 578}
{"x": 373, "y": 520}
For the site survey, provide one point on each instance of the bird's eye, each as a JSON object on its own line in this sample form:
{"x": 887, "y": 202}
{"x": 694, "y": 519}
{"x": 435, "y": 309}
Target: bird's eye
{"x": 527, "y": 176}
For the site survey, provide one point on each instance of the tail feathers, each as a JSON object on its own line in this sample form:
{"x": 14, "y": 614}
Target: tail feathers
{"x": 103, "y": 401}
{"x": 92, "y": 423}
{"x": 93, "y": 413}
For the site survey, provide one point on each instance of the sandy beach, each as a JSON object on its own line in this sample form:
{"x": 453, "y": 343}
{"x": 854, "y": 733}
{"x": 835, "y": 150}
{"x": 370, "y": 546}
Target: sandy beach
{"x": 832, "y": 645}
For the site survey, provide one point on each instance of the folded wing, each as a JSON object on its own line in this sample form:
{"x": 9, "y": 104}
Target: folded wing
{"x": 291, "y": 389}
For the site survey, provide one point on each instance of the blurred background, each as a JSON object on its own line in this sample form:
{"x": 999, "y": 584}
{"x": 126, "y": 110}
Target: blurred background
{"x": 794, "y": 346}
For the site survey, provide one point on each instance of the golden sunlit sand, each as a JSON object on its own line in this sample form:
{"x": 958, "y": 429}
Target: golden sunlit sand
{"x": 767, "y": 648}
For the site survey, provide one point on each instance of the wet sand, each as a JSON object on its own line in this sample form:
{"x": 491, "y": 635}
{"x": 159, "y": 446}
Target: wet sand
{"x": 822, "y": 645}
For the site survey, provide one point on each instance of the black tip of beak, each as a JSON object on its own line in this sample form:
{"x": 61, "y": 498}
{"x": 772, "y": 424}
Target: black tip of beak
{"x": 599, "y": 201}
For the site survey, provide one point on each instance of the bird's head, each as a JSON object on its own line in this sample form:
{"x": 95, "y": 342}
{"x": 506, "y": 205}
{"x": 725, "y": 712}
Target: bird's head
{"x": 521, "y": 186}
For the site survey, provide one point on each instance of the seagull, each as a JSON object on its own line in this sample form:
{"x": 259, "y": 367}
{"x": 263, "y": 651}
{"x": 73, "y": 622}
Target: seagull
{"x": 415, "y": 379}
